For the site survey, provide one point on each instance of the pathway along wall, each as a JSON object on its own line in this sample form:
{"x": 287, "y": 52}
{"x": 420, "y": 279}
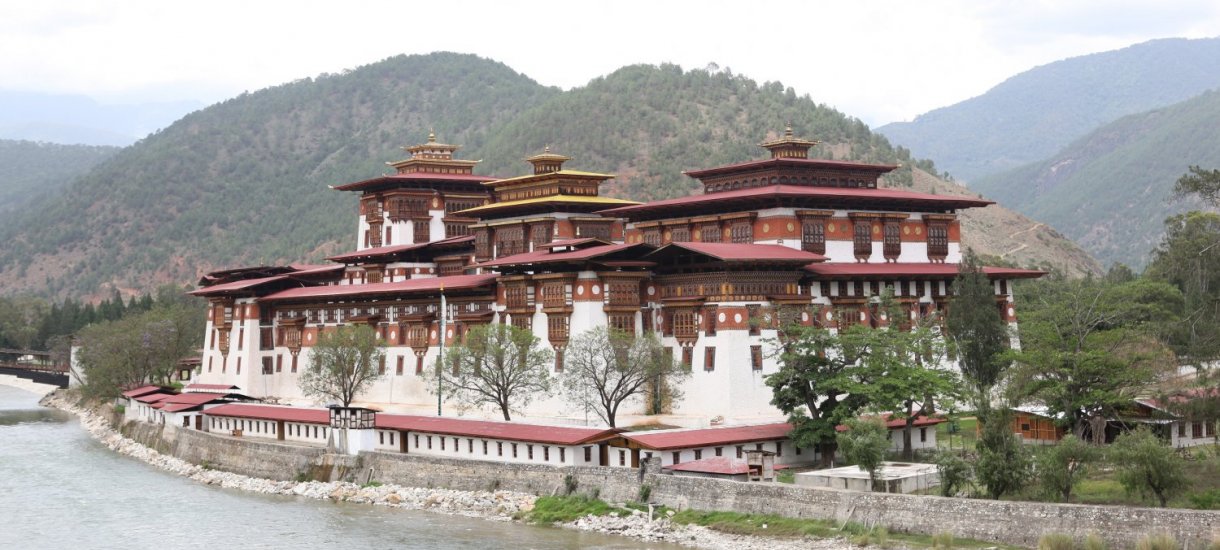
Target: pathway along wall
{"x": 1009, "y": 522}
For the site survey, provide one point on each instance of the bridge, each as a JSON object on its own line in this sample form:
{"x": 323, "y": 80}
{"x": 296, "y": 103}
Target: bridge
{"x": 33, "y": 366}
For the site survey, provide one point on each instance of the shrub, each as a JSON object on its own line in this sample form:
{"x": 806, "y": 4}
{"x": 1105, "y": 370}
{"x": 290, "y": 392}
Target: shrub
{"x": 1094, "y": 542}
{"x": 943, "y": 539}
{"x": 569, "y": 484}
{"x": 954, "y": 473}
{"x": 1158, "y": 541}
{"x": 1003, "y": 465}
{"x": 1063, "y": 466}
{"x": 1147, "y": 466}
{"x": 566, "y": 509}
{"x": 1215, "y": 545}
{"x": 1055, "y": 541}
{"x": 1206, "y": 500}
{"x": 645, "y": 493}
{"x": 864, "y": 444}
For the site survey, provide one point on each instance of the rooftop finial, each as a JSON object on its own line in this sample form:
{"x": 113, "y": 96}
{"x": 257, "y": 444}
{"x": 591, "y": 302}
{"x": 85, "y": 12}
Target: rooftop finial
{"x": 788, "y": 130}
{"x": 546, "y": 149}
{"x": 431, "y": 135}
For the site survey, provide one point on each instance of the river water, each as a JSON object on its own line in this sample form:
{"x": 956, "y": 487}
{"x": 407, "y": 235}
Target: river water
{"x": 60, "y": 489}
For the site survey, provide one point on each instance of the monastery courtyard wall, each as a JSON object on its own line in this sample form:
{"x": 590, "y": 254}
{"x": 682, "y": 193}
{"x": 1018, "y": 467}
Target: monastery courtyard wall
{"x": 1008, "y": 522}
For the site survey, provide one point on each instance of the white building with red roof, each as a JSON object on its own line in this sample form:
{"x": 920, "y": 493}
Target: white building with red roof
{"x": 545, "y": 251}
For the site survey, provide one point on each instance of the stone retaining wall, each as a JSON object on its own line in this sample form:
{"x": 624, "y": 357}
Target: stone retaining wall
{"x": 1015, "y": 523}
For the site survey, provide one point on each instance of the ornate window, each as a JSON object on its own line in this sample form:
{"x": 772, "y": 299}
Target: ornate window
{"x": 684, "y": 325}
{"x": 892, "y": 240}
{"x": 709, "y": 358}
{"x": 540, "y": 233}
{"x": 593, "y": 230}
{"x": 422, "y": 230}
{"x": 813, "y": 236}
{"x": 938, "y": 241}
{"x": 509, "y": 241}
{"x": 742, "y": 232}
{"x": 710, "y": 233}
{"x": 557, "y": 327}
{"x": 482, "y": 244}
{"x": 622, "y": 321}
{"x": 652, "y": 236}
{"x": 863, "y": 239}
{"x": 679, "y": 234}
{"x": 623, "y": 292}
{"x": 523, "y": 321}
{"x": 458, "y": 229}
{"x": 709, "y": 320}
{"x": 756, "y": 357}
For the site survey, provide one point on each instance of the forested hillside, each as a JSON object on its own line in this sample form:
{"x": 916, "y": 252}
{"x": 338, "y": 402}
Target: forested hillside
{"x": 245, "y": 181}
{"x": 1034, "y": 114}
{"x": 29, "y": 169}
{"x": 1110, "y": 191}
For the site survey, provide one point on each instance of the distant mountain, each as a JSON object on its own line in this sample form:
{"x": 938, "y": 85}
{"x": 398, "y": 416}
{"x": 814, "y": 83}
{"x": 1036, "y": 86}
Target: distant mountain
{"x": 29, "y": 169}
{"x": 1034, "y": 114}
{"x": 1110, "y": 190}
{"x": 245, "y": 181}
{"x": 75, "y": 119}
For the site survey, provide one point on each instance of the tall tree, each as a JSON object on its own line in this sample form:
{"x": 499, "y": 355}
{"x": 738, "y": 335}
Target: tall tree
{"x": 499, "y": 365}
{"x": 1089, "y": 346}
{"x": 910, "y": 377}
{"x": 979, "y": 334}
{"x": 1147, "y": 466}
{"x": 1003, "y": 465}
{"x": 1189, "y": 258}
{"x": 605, "y": 367}
{"x": 343, "y": 364}
{"x": 138, "y": 349}
{"x": 864, "y": 442}
{"x": 1201, "y": 182}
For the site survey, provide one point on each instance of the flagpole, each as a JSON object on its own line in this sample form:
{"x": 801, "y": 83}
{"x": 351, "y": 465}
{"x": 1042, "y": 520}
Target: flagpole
{"x": 440, "y": 357}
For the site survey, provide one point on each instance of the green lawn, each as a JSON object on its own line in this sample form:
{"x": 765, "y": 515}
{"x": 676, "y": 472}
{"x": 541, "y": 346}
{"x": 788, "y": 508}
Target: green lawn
{"x": 965, "y": 437}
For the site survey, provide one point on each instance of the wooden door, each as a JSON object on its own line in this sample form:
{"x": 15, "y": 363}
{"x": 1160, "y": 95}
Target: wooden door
{"x": 279, "y": 430}
{"x": 603, "y": 454}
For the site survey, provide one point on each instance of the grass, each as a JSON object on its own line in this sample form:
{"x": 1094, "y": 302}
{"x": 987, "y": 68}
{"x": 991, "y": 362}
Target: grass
{"x": 785, "y": 476}
{"x": 964, "y": 438}
{"x": 770, "y": 525}
{"x": 565, "y": 509}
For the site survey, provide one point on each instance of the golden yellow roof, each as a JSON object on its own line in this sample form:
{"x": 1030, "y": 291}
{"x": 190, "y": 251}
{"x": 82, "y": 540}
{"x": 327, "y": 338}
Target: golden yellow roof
{"x": 570, "y": 199}
{"x": 570, "y": 173}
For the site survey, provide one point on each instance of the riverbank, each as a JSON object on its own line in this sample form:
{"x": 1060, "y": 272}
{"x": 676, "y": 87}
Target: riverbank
{"x": 490, "y": 505}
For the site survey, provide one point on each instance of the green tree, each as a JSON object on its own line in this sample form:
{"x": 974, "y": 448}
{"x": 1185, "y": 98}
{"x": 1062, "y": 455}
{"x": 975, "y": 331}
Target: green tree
{"x": 1089, "y": 346}
{"x": 605, "y": 367}
{"x": 343, "y": 364}
{"x": 1201, "y": 182}
{"x": 979, "y": 334}
{"x": 864, "y": 442}
{"x": 954, "y": 472}
{"x": 498, "y": 365}
{"x": 1003, "y": 464}
{"x": 138, "y": 349}
{"x": 1146, "y": 465}
{"x": 908, "y": 373}
{"x": 1062, "y": 467}
{"x": 820, "y": 384}
{"x": 1189, "y": 258}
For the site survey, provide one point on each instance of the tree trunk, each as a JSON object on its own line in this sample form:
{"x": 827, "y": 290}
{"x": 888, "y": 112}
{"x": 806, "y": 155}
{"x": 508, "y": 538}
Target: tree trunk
{"x": 826, "y": 450}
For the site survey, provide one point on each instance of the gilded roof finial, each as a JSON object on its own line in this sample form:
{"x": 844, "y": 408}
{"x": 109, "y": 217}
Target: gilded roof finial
{"x": 546, "y": 149}
{"x": 788, "y": 131}
{"x": 431, "y": 135}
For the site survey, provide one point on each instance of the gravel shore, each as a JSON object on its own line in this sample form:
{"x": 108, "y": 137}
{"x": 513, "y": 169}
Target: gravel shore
{"x": 495, "y": 506}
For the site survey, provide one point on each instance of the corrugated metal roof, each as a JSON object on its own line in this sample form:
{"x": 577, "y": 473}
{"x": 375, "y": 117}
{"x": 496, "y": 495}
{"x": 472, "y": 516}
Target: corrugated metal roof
{"x": 271, "y": 412}
{"x": 741, "y": 252}
{"x": 709, "y": 437}
{"x": 197, "y": 387}
{"x": 431, "y": 284}
{"x": 142, "y": 390}
{"x": 511, "y": 431}
{"x": 771, "y": 192}
{"x": 154, "y": 397}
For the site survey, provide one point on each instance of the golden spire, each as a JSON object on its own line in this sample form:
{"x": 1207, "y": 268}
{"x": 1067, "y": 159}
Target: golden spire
{"x": 431, "y": 135}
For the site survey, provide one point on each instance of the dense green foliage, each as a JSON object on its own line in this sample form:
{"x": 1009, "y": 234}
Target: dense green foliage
{"x": 1063, "y": 466}
{"x": 1089, "y": 346}
{"x": 1147, "y": 466}
{"x": 1109, "y": 190}
{"x": 245, "y": 181}
{"x": 1033, "y": 114}
{"x": 29, "y": 170}
{"x": 343, "y": 364}
{"x": 28, "y": 322}
{"x": 864, "y": 444}
{"x": 978, "y": 332}
{"x": 141, "y": 347}
{"x": 1004, "y": 464}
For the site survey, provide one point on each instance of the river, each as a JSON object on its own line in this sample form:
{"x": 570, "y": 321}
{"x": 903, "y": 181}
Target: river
{"x": 61, "y": 489}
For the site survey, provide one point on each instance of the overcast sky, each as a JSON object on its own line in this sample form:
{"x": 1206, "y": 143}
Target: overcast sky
{"x": 879, "y": 61}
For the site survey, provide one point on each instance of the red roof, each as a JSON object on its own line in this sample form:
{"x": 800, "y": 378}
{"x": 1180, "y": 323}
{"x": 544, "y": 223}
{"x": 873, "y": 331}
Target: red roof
{"x": 186, "y": 401}
{"x": 153, "y": 397}
{"x": 772, "y": 192}
{"x": 743, "y": 252}
{"x": 851, "y": 269}
{"x": 431, "y": 284}
{"x": 210, "y": 387}
{"x": 411, "y": 177}
{"x": 549, "y": 257}
{"x": 142, "y": 390}
{"x": 398, "y": 248}
{"x": 534, "y": 433}
{"x": 572, "y": 242}
{"x": 899, "y": 423}
{"x": 244, "y": 284}
{"x": 271, "y": 412}
{"x": 709, "y": 437}
{"x": 811, "y": 163}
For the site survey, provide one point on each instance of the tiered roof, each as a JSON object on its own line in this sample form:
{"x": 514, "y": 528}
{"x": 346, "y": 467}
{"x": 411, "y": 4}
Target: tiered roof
{"x": 548, "y": 189}
{"x": 429, "y": 164}
{"x": 426, "y": 286}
